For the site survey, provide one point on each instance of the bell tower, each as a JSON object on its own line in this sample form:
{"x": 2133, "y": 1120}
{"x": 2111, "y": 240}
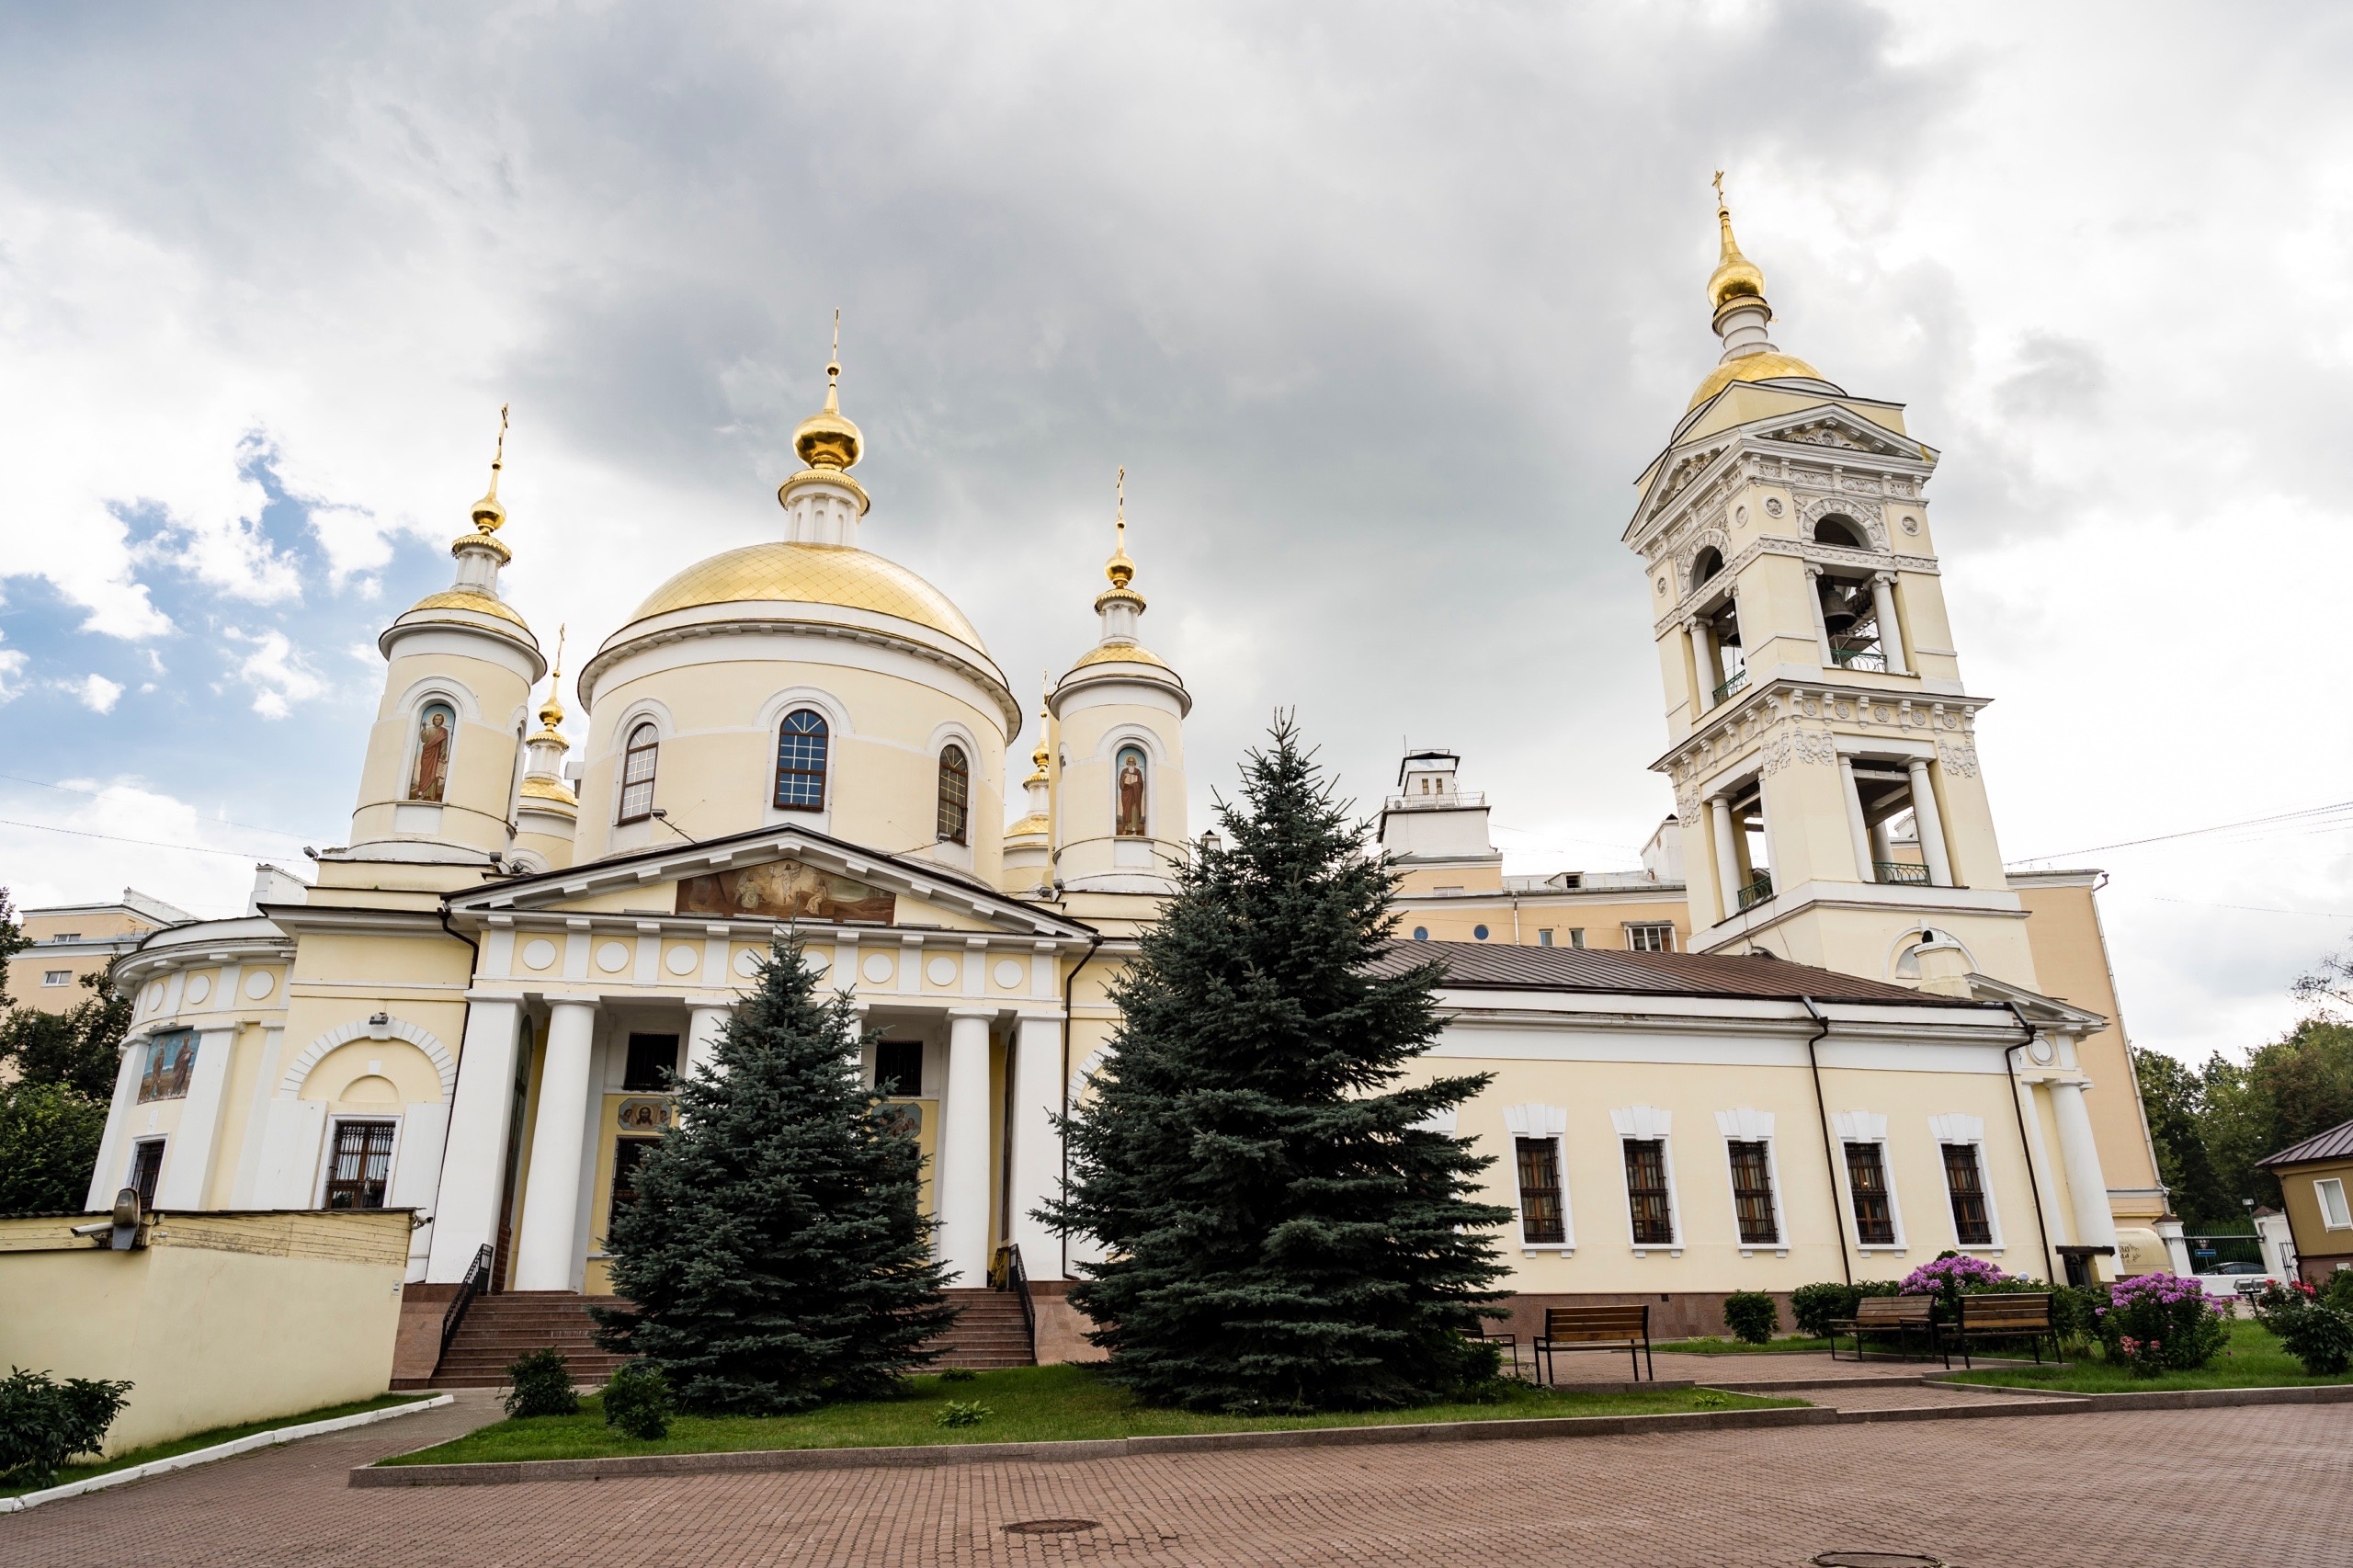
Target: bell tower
{"x": 1822, "y": 746}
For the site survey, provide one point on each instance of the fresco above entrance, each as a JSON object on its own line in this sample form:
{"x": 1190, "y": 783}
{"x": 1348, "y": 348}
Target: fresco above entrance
{"x": 785, "y": 889}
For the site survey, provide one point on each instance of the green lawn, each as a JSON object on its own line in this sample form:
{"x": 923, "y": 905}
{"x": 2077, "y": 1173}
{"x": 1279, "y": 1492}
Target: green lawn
{"x": 2252, "y": 1359}
{"x": 1710, "y": 1346}
{"x": 196, "y": 1440}
{"x": 1029, "y": 1405}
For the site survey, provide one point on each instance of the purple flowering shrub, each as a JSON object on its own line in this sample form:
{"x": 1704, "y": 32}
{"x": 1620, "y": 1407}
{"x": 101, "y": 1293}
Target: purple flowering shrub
{"x": 2157, "y": 1323}
{"x": 1953, "y": 1276}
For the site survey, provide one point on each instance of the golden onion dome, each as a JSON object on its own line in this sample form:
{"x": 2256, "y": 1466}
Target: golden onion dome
{"x": 1033, "y": 823}
{"x": 1735, "y": 276}
{"x": 782, "y": 572}
{"x": 553, "y": 790}
{"x": 481, "y": 604}
{"x": 1768, "y": 366}
{"x": 489, "y": 512}
{"x": 1122, "y": 653}
{"x": 828, "y": 439}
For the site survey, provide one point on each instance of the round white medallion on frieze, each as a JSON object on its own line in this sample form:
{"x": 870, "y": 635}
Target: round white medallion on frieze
{"x": 941, "y": 970}
{"x": 747, "y": 962}
{"x": 819, "y": 960}
{"x": 198, "y": 988}
{"x": 537, "y": 953}
{"x": 1008, "y": 972}
{"x": 877, "y": 967}
{"x": 682, "y": 961}
{"x": 155, "y": 997}
{"x": 1772, "y": 505}
{"x": 259, "y": 984}
{"x": 613, "y": 957}
{"x": 1911, "y": 525}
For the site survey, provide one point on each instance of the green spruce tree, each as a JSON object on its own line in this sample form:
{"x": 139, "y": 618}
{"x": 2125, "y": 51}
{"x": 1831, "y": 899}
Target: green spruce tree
{"x": 776, "y": 1256}
{"x": 1284, "y": 1231}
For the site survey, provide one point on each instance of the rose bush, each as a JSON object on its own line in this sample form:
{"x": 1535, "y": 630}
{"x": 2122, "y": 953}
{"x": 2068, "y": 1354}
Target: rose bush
{"x": 2156, "y": 1323}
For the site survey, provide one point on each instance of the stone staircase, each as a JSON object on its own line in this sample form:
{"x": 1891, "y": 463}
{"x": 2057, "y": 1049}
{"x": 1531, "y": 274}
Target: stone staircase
{"x": 498, "y": 1328}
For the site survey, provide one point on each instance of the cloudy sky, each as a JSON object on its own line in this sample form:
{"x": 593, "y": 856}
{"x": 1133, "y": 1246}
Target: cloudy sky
{"x": 1383, "y": 306}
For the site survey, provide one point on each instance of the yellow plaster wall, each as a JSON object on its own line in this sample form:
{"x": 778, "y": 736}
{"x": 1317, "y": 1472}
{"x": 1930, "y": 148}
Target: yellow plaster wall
{"x": 2071, "y": 960}
{"x": 222, "y": 1319}
{"x": 481, "y": 782}
{"x": 2316, "y": 1242}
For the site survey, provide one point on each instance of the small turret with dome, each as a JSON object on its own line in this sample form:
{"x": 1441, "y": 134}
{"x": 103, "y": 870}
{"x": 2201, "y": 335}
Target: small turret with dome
{"x": 459, "y": 668}
{"x": 1029, "y": 842}
{"x": 1736, "y": 294}
{"x": 546, "y": 812}
{"x": 1119, "y": 715}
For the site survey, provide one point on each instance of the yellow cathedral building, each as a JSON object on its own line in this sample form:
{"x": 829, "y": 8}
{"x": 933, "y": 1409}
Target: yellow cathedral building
{"x": 1822, "y": 1034}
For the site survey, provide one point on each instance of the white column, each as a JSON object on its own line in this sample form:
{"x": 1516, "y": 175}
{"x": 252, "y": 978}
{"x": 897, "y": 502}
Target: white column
{"x": 2079, "y": 1154}
{"x": 1727, "y": 856}
{"x": 964, "y": 1176}
{"x": 704, "y": 1025}
{"x": 1890, "y": 635}
{"x": 187, "y": 1158}
{"x": 114, "y": 1147}
{"x": 1820, "y": 627}
{"x": 543, "y": 1257}
{"x": 1703, "y": 659}
{"x": 473, "y": 1165}
{"x": 1036, "y": 1147}
{"x": 1864, "y": 871}
{"x": 1930, "y": 824}
{"x": 2176, "y": 1246}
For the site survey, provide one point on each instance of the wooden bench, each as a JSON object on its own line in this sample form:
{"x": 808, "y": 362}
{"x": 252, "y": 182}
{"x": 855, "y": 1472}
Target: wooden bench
{"x": 1596, "y": 1328}
{"x": 1990, "y": 1317}
{"x": 1902, "y": 1316}
{"x": 1486, "y": 1334}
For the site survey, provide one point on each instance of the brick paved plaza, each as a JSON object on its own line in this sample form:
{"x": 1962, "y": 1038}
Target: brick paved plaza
{"x": 2271, "y": 1485}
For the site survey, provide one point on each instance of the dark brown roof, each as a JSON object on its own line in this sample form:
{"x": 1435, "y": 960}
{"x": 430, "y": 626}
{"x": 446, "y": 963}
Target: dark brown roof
{"x": 1489, "y": 966}
{"x": 2336, "y": 1144}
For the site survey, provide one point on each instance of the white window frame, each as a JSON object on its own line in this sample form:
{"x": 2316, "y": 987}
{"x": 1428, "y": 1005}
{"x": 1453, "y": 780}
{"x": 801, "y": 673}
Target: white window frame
{"x": 1868, "y": 1127}
{"x": 2322, "y": 1188}
{"x": 1645, "y": 1122}
{"x": 57, "y": 977}
{"x": 1958, "y": 1127}
{"x": 1633, "y": 925}
{"x": 1541, "y": 1121}
{"x": 1747, "y": 1125}
{"x": 326, "y": 1149}
{"x": 163, "y": 1142}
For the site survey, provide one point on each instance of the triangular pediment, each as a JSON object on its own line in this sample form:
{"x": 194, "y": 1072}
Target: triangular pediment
{"x": 1831, "y": 426}
{"x": 784, "y": 873}
{"x": 2041, "y": 1012}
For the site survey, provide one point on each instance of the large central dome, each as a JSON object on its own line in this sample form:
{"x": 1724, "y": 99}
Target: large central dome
{"x": 784, "y": 572}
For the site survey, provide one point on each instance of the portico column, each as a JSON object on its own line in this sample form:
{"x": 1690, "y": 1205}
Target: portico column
{"x": 1036, "y": 1147}
{"x": 187, "y": 1158}
{"x": 2086, "y": 1184}
{"x": 1703, "y": 659}
{"x": 2176, "y": 1246}
{"x": 1890, "y": 635}
{"x": 963, "y": 1177}
{"x": 1820, "y": 627}
{"x": 107, "y": 1178}
{"x": 704, "y": 1025}
{"x": 1931, "y": 824}
{"x": 1727, "y": 856}
{"x": 543, "y": 1252}
{"x": 1864, "y": 871}
{"x": 473, "y": 1160}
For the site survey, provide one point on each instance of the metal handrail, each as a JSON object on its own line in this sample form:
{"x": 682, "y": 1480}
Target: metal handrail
{"x": 1007, "y": 1273}
{"x": 1758, "y": 889}
{"x": 477, "y": 1277}
{"x": 1731, "y": 684}
{"x": 1859, "y": 659}
{"x": 1905, "y": 872}
{"x": 1459, "y": 798}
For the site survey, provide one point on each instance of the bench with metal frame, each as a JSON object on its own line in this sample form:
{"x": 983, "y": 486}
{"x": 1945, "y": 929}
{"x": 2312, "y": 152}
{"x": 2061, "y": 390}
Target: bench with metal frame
{"x": 1596, "y": 1328}
{"x": 1992, "y": 1316}
{"x": 1902, "y": 1316}
{"x": 1486, "y": 1333}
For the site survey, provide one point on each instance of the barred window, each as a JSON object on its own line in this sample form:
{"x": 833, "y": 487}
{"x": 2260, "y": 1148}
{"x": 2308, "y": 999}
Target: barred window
{"x": 363, "y": 1164}
{"x": 1752, "y": 1195}
{"x": 628, "y": 1152}
{"x": 1656, "y": 937}
{"x": 637, "y": 774}
{"x": 1646, "y": 1192}
{"x": 1966, "y": 1181}
{"x": 1543, "y": 1222}
{"x": 801, "y": 763}
{"x": 1866, "y": 1181}
{"x": 146, "y": 1165}
{"x": 955, "y": 794}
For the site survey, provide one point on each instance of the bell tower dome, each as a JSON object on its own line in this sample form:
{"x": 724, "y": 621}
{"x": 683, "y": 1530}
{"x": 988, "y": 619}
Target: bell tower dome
{"x": 1119, "y": 724}
{"x": 443, "y": 766}
{"x": 1822, "y": 746}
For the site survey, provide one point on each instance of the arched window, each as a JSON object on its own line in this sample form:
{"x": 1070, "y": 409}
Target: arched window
{"x": 955, "y": 793}
{"x": 437, "y": 732}
{"x": 1706, "y": 565}
{"x": 1840, "y": 531}
{"x": 636, "y": 773}
{"x": 801, "y": 763}
{"x": 1128, "y": 793}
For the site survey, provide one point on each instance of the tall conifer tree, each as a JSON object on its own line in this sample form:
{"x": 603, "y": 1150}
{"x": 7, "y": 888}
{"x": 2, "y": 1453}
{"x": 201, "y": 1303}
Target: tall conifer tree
{"x": 775, "y": 1254}
{"x": 1283, "y": 1229}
